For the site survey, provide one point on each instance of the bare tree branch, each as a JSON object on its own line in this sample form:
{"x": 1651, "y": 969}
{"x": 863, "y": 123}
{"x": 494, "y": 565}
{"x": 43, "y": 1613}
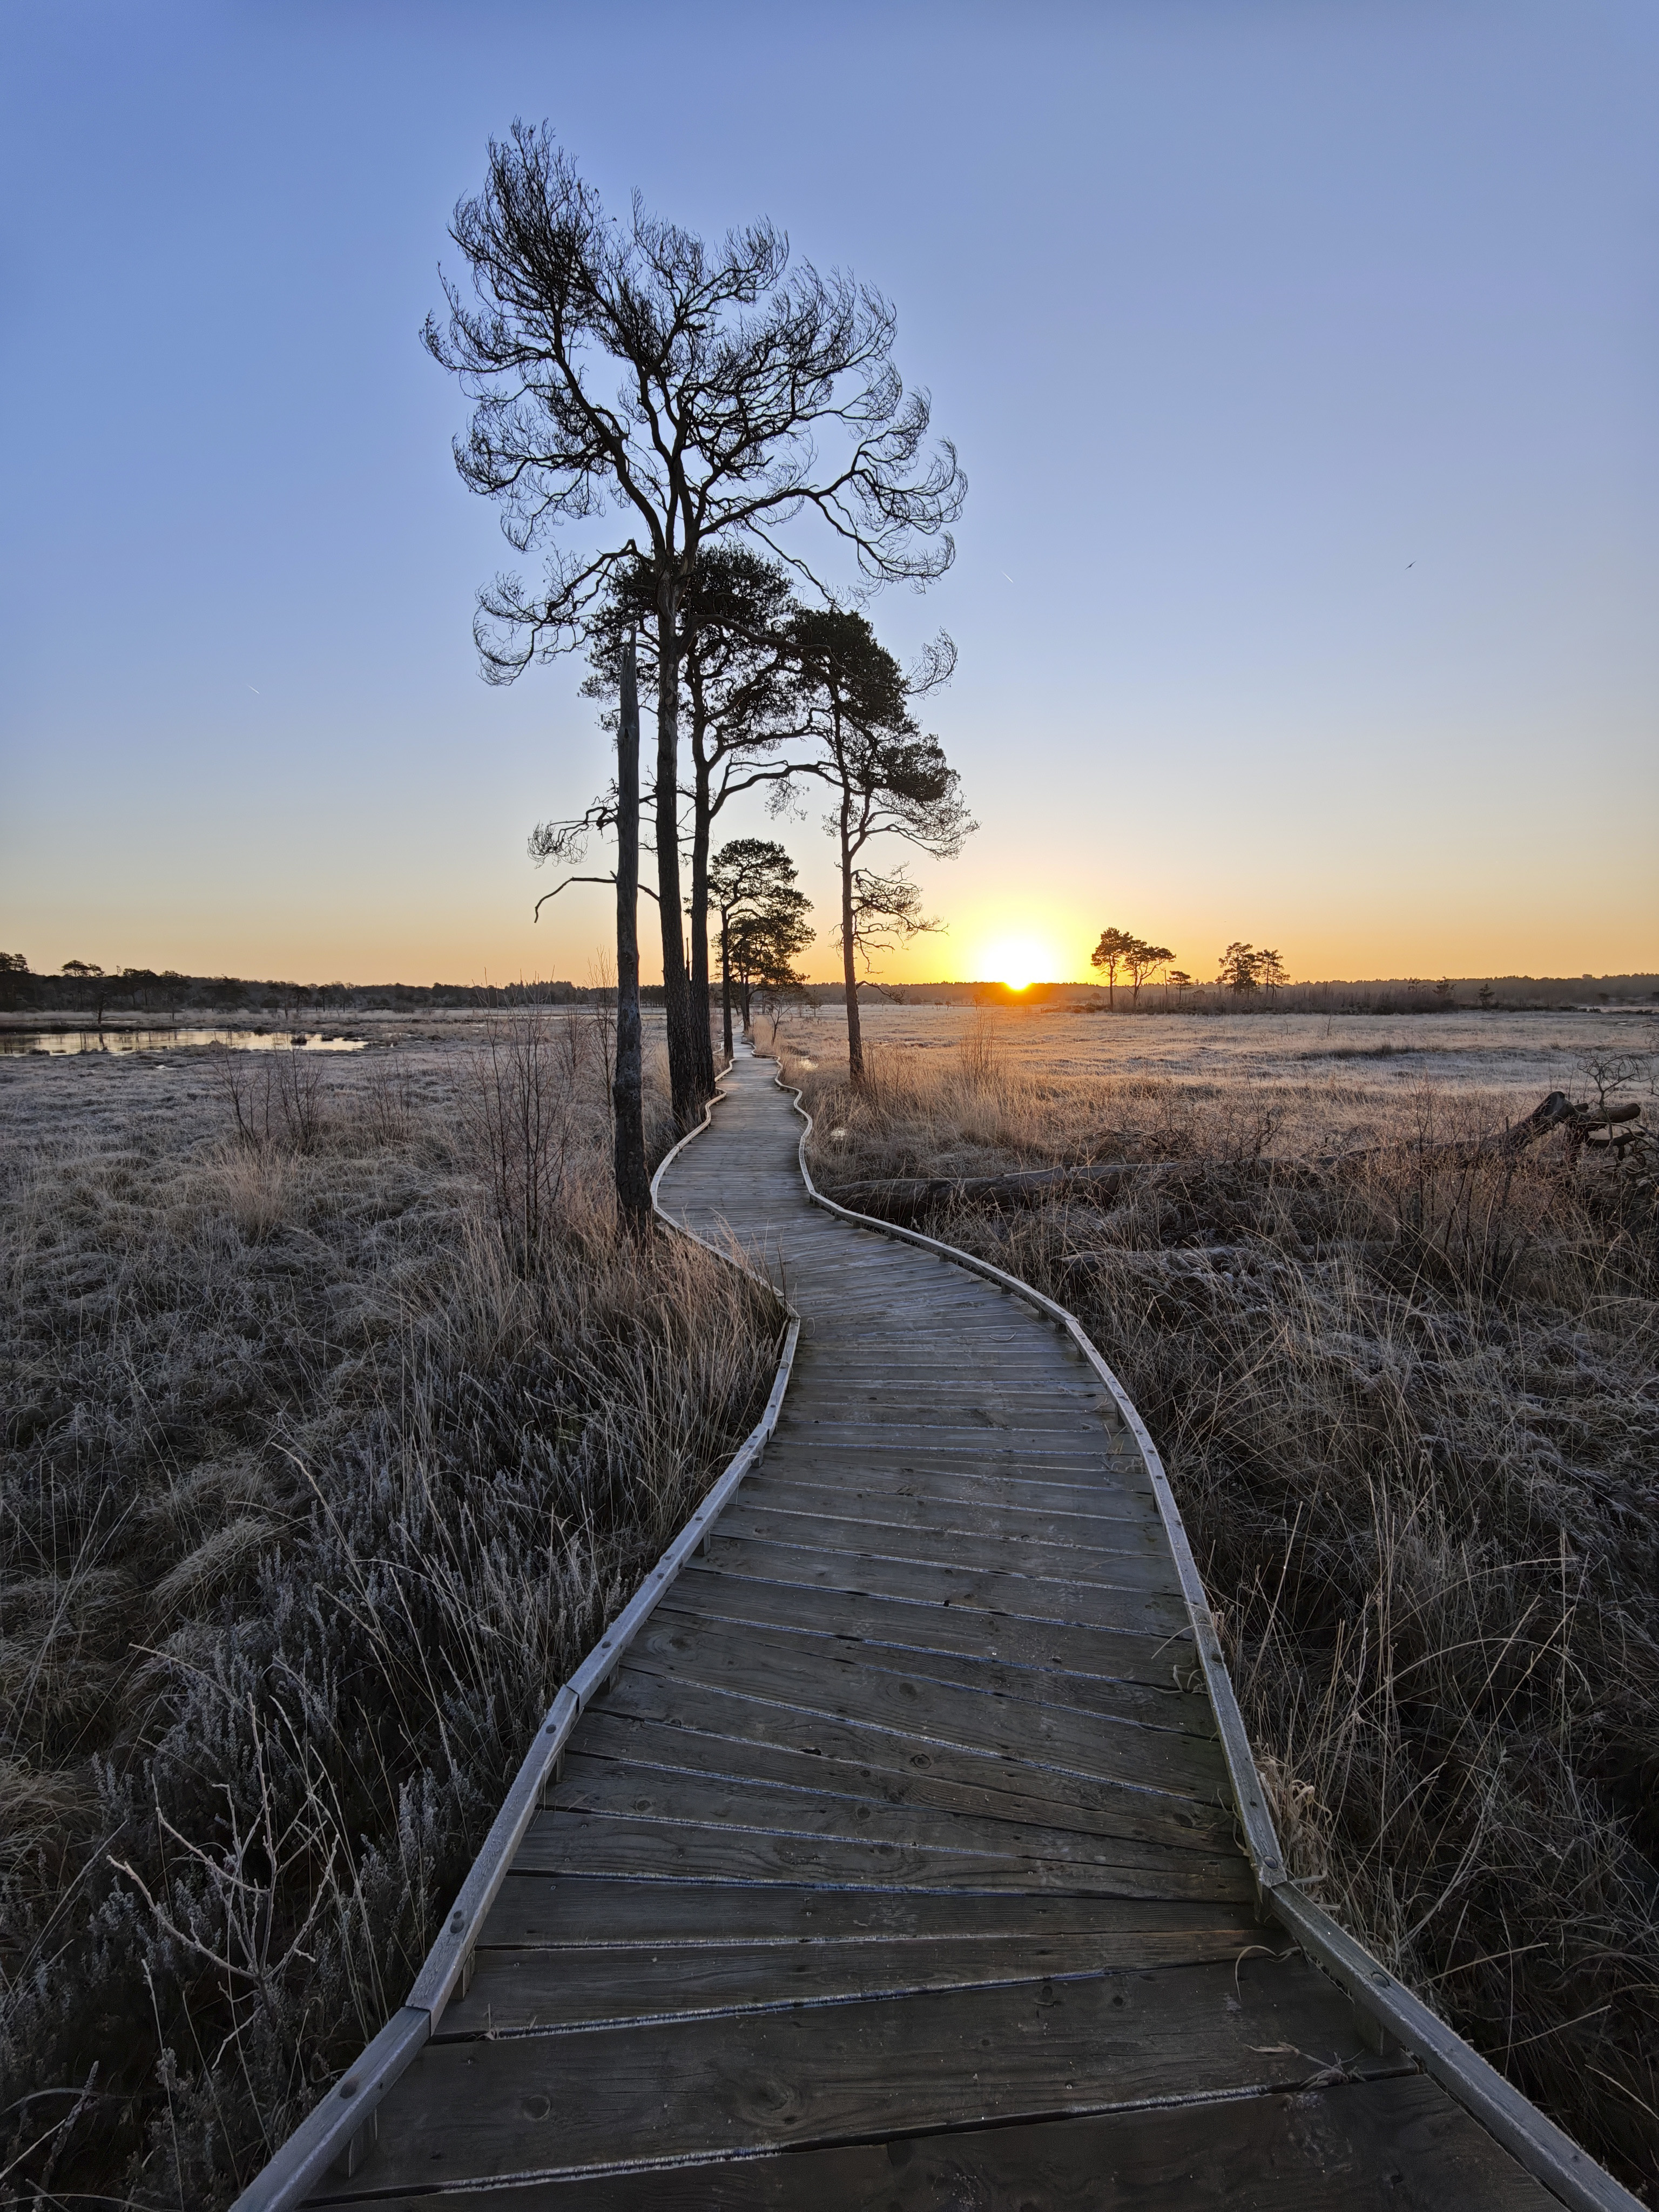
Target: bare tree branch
{"x": 702, "y": 392}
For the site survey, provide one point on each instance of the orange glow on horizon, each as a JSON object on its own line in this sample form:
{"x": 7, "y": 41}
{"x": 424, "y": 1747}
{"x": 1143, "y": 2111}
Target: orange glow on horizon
{"x": 1018, "y": 962}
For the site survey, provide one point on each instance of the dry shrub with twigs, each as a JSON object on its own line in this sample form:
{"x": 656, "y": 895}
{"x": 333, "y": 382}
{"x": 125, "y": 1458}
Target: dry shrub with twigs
{"x": 331, "y": 1446}
{"x": 1411, "y": 1414}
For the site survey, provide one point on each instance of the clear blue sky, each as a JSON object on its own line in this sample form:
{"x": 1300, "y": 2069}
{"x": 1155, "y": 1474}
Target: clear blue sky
{"x": 1302, "y": 358}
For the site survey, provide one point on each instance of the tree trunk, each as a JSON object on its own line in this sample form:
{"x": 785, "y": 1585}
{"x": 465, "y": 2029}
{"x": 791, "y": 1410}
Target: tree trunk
{"x": 701, "y": 824}
{"x": 726, "y": 982}
{"x": 849, "y": 954}
{"x": 633, "y": 1184}
{"x": 676, "y": 984}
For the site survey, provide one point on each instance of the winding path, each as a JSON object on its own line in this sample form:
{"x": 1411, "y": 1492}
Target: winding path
{"x": 897, "y": 1869}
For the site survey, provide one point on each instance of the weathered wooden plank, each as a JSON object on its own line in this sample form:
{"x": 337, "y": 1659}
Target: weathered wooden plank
{"x": 877, "y": 1715}
{"x": 968, "y": 1428}
{"x": 589, "y": 1912}
{"x": 847, "y": 1319}
{"x": 1394, "y": 2144}
{"x": 1175, "y": 1799}
{"x": 939, "y": 1348}
{"x": 921, "y": 1285}
{"x": 1127, "y": 1737}
{"x": 966, "y": 1415}
{"x": 611, "y": 1818}
{"x": 819, "y": 2075}
{"x": 971, "y": 1699}
{"x": 1076, "y": 1426}
{"x": 944, "y": 1352}
{"x": 977, "y": 1590}
{"x": 520, "y": 1992}
{"x": 991, "y": 1455}
{"x": 645, "y": 1850}
{"x": 1033, "y": 1370}
{"x": 1065, "y": 1512}
{"x": 1133, "y": 1562}
{"x": 1107, "y": 1487}
{"x": 1101, "y": 1473}
{"x": 915, "y": 1280}
{"x": 1064, "y": 1378}
{"x": 948, "y": 1429}
{"x": 853, "y": 1308}
{"x": 916, "y": 1623}
{"x": 835, "y": 1284}
{"x": 873, "y": 1324}
{"x": 1098, "y": 1521}
{"x": 987, "y": 1401}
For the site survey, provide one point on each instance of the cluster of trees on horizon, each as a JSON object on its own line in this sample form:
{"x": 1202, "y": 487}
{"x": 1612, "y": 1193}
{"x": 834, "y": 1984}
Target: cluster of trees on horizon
{"x": 1242, "y": 968}
{"x": 709, "y": 397}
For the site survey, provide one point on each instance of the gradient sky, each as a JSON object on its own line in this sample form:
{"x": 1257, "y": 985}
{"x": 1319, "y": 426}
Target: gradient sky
{"x": 1302, "y": 358}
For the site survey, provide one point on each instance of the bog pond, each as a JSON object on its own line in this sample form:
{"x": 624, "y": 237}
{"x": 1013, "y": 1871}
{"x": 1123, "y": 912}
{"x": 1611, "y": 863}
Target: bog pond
{"x": 61, "y": 1042}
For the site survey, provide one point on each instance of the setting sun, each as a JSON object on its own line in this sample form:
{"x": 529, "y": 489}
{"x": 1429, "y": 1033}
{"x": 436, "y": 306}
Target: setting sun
{"x": 1018, "y": 961}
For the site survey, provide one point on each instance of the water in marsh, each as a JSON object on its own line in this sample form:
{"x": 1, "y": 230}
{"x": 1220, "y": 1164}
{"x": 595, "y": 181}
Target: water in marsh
{"x": 59, "y": 1042}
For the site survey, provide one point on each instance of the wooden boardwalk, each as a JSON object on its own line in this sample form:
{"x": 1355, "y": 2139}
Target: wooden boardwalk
{"x": 897, "y": 1868}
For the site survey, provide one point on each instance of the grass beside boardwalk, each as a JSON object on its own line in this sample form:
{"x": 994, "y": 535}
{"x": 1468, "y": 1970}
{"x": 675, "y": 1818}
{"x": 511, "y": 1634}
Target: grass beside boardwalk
{"x": 1411, "y": 1411}
{"x": 330, "y": 1446}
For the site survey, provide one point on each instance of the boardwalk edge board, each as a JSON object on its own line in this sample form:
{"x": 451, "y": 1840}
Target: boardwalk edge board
{"x": 340, "y": 2132}
{"x": 1544, "y": 2150}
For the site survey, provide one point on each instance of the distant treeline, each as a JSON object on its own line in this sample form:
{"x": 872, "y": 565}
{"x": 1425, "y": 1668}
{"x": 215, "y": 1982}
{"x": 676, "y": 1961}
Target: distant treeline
{"x": 163, "y": 994}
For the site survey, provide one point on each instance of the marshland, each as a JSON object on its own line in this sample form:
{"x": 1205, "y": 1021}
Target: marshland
{"x": 343, "y": 1414}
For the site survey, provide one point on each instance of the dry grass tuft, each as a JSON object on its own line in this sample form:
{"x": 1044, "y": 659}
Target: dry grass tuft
{"x": 340, "y": 1418}
{"x": 1411, "y": 1414}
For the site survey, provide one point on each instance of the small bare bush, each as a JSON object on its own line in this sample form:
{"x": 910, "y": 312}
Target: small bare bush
{"x": 387, "y": 1095}
{"x": 276, "y": 1097}
{"x": 530, "y": 1105}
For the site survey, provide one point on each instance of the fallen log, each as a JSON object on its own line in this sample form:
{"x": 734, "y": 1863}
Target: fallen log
{"x": 1555, "y": 1112}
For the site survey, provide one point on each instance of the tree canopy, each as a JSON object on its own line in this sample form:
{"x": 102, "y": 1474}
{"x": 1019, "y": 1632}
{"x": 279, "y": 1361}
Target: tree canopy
{"x": 1244, "y": 969}
{"x": 763, "y": 920}
{"x": 685, "y": 392}
{"x": 1121, "y": 949}
{"x": 740, "y": 377}
{"x": 884, "y": 776}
